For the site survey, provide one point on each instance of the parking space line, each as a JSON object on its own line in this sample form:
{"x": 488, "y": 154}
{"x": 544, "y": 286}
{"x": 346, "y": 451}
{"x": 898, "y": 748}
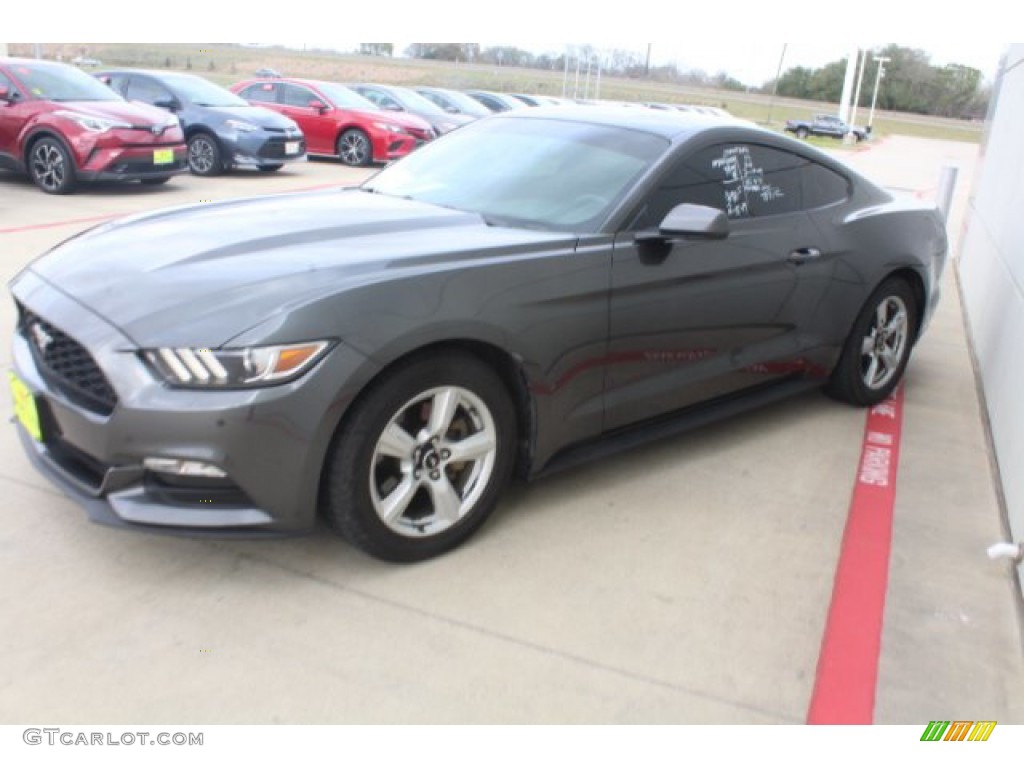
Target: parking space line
{"x": 847, "y": 675}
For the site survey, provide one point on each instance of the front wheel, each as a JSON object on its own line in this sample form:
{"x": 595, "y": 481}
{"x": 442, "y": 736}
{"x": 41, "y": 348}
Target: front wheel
{"x": 354, "y": 148}
{"x": 419, "y": 465}
{"x": 51, "y": 167}
{"x": 878, "y": 348}
{"x": 204, "y": 155}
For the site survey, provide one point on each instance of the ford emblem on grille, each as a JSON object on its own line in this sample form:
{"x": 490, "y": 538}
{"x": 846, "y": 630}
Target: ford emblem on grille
{"x": 157, "y": 129}
{"x": 40, "y": 336}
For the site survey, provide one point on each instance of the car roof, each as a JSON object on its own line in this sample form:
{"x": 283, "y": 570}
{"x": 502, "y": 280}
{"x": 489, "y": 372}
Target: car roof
{"x": 669, "y": 124}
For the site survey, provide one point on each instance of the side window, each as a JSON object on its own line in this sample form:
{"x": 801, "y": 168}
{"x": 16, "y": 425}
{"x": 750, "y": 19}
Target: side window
{"x": 296, "y": 96}
{"x": 823, "y": 187}
{"x": 744, "y": 180}
{"x": 145, "y": 90}
{"x": 382, "y": 100}
{"x": 265, "y": 92}
{"x": 6, "y": 82}
{"x": 116, "y": 81}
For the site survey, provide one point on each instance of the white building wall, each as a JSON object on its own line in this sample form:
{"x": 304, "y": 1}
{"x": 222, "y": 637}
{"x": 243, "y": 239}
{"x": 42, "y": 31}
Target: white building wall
{"x": 992, "y": 277}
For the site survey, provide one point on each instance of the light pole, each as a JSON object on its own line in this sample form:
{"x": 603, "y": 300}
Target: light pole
{"x": 881, "y": 60}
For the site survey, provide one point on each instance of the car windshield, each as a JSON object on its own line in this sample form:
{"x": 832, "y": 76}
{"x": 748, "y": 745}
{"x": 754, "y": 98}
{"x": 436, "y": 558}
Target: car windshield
{"x": 465, "y": 104}
{"x": 345, "y": 97}
{"x": 541, "y": 173}
{"x": 202, "y": 92}
{"x": 62, "y": 83}
{"x": 416, "y": 103}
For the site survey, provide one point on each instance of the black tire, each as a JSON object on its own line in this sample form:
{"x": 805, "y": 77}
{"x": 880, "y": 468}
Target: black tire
{"x": 155, "y": 181}
{"x": 878, "y": 348}
{"x": 389, "y": 456}
{"x": 802, "y": 133}
{"x": 354, "y": 148}
{"x": 271, "y": 168}
{"x": 50, "y": 166}
{"x": 205, "y": 157}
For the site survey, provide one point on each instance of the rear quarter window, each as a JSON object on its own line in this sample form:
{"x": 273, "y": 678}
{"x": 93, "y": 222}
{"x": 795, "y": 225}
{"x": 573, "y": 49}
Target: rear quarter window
{"x": 823, "y": 186}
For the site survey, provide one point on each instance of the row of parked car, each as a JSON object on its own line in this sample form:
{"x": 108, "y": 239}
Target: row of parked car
{"x": 62, "y": 126}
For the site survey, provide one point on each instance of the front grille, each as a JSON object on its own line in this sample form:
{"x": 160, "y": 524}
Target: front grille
{"x": 273, "y": 148}
{"x": 67, "y": 364}
{"x": 148, "y": 166}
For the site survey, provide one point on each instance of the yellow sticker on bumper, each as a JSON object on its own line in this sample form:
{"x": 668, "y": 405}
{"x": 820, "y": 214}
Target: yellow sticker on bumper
{"x": 25, "y": 407}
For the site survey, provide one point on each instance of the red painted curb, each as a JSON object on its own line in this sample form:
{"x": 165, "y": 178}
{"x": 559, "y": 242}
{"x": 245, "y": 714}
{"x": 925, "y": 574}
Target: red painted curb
{"x": 847, "y": 676}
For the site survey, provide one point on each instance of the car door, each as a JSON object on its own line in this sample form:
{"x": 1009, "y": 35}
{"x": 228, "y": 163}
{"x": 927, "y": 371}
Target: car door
{"x": 701, "y": 318}
{"x": 319, "y": 125}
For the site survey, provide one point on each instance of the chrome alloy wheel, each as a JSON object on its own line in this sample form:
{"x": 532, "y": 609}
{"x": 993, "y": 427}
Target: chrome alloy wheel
{"x": 433, "y": 461}
{"x": 48, "y": 166}
{"x": 355, "y": 148}
{"x": 201, "y": 155}
{"x": 885, "y": 344}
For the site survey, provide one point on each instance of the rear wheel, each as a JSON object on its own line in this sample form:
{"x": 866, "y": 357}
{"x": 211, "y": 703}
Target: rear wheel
{"x": 801, "y": 133}
{"x": 877, "y": 351}
{"x": 354, "y": 148}
{"x": 420, "y": 463}
{"x": 51, "y": 167}
{"x": 204, "y": 155}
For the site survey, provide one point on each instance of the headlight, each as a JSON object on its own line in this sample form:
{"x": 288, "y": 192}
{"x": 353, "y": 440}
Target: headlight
{"x": 232, "y": 368}
{"x": 241, "y": 125}
{"x": 90, "y": 123}
{"x": 390, "y": 127}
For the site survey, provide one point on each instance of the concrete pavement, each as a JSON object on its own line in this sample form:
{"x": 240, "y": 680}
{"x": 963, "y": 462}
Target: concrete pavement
{"x": 685, "y": 582}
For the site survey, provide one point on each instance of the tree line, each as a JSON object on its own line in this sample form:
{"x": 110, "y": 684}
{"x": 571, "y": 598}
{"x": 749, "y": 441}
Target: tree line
{"x": 910, "y": 83}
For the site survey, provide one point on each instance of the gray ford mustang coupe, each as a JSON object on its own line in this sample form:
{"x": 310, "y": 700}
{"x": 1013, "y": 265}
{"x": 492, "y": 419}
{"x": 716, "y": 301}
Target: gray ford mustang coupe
{"x": 531, "y": 290}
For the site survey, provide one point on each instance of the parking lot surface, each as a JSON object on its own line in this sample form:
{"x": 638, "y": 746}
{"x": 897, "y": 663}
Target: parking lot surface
{"x": 689, "y": 581}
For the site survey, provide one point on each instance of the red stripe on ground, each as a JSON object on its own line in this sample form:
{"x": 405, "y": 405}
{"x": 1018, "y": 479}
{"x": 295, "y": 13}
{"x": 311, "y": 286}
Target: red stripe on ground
{"x": 844, "y": 688}
{"x": 90, "y": 219}
{"x": 64, "y": 223}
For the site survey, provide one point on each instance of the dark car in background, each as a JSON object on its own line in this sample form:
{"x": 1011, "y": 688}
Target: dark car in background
{"x": 222, "y": 130}
{"x": 453, "y": 102}
{"x": 394, "y": 98}
{"x": 825, "y": 125}
{"x": 497, "y": 102}
{"x": 61, "y": 127}
{"x": 338, "y": 121}
{"x": 526, "y": 292}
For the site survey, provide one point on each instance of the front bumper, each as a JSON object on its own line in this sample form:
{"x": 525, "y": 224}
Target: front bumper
{"x": 271, "y": 442}
{"x": 132, "y": 163}
{"x": 264, "y": 148}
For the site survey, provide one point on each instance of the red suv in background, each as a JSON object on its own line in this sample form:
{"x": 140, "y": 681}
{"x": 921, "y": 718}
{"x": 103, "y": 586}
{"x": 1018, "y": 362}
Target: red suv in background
{"x": 338, "y": 121}
{"x": 61, "y": 126}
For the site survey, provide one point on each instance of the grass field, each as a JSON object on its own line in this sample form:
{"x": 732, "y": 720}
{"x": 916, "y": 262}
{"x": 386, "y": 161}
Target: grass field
{"x": 227, "y": 64}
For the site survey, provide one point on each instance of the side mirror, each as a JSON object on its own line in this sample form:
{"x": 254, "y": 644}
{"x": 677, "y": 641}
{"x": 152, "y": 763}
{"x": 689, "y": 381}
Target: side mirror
{"x": 318, "y": 105}
{"x": 393, "y": 108}
{"x": 5, "y": 93}
{"x": 169, "y": 103}
{"x": 694, "y": 221}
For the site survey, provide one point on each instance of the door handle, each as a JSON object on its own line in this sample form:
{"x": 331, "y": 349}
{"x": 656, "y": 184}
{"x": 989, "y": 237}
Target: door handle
{"x": 803, "y": 255}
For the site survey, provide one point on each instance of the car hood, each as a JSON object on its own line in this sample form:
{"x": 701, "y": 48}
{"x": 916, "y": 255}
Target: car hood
{"x": 264, "y": 118}
{"x": 398, "y": 118}
{"x": 124, "y": 111}
{"x": 205, "y": 274}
